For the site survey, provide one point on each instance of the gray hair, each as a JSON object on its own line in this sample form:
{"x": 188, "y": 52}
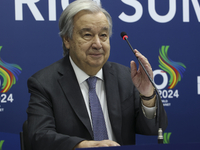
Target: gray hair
{"x": 66, "y": 19}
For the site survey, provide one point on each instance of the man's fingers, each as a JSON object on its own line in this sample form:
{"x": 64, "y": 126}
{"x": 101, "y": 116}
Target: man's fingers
{"x": 107, "y": 143}
{"x": 133, "y": 68}
{"x": 104, "y": 143}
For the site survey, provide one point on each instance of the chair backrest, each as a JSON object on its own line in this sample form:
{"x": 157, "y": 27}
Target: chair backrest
{"x": 25, "y": 143}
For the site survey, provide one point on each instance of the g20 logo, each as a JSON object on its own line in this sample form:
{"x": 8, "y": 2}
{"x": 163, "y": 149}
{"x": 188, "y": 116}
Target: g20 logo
{"x": 168, "y": 67}
{"x": 164, "y": 93}
{"x": 9, "y": 76}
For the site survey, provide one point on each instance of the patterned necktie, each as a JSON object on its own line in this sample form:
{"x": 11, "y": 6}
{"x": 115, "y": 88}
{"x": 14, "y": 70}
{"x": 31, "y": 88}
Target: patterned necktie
{"x": 98, "y": 122}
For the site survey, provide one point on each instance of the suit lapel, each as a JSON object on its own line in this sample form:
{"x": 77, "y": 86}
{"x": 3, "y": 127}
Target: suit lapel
{"x": 71, "y": 88}
{"x": 113, "y": 100}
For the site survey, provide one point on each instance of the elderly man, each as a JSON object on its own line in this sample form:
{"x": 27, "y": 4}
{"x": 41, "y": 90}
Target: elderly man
{"x": 83, "y": 100}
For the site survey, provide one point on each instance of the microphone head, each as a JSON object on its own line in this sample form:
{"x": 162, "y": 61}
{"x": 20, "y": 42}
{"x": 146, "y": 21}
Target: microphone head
{"x": 124, "y": 35}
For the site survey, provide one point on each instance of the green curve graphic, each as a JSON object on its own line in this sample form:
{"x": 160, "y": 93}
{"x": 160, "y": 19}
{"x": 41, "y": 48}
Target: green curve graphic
{"x": 1, "y": 144}
{"x": 166, "y": 138}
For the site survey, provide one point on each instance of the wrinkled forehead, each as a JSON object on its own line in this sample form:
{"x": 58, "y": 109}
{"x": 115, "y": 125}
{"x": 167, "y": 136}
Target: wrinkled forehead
{"x": 86, "y": 15}
{"x": 87, "y": 21}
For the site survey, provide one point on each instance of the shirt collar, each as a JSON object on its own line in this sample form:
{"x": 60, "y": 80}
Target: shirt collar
{"x": 81, "y": 75}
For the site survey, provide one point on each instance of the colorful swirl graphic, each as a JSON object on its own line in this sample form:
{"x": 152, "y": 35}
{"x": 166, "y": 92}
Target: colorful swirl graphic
{"x": 9, "y": 73}
{"x": 174, "y": 69}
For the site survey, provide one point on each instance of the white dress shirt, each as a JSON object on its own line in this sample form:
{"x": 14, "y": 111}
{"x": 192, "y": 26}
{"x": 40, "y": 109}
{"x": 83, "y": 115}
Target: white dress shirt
{"x": 101, "y": 93}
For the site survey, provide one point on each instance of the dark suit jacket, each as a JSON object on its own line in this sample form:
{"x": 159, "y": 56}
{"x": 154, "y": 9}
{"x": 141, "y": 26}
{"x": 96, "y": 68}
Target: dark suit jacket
{"x": 57, "y": 114}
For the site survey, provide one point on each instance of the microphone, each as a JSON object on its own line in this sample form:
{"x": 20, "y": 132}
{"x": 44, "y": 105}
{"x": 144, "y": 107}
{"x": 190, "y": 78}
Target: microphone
{"x": 160, "y": 132}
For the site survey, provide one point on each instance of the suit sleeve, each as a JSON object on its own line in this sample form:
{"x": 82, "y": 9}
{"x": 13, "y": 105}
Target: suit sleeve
{"x": 41, "y": 122}
{"x": 133, "y": 119}
{"x": 149, "y": 126}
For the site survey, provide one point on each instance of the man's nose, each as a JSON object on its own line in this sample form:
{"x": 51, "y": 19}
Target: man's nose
{"x": 97, "y": 42}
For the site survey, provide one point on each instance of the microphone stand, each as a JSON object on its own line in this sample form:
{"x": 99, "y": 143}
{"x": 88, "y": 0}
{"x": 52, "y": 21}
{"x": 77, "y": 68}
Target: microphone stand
{"x": 160, "y": 132}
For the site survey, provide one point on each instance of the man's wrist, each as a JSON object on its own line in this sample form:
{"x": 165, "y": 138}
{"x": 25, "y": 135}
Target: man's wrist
{"x": 149, "y": 97}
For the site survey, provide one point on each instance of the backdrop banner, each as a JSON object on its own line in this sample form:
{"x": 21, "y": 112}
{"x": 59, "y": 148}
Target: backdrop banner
{"x": 167, "y": 32}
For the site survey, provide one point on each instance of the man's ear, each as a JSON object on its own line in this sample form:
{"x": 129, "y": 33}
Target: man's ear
{"x": 66, "y": 42}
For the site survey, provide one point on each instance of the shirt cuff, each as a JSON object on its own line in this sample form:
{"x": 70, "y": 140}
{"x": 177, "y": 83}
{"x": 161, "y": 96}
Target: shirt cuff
{"x": 149, "y": 112}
